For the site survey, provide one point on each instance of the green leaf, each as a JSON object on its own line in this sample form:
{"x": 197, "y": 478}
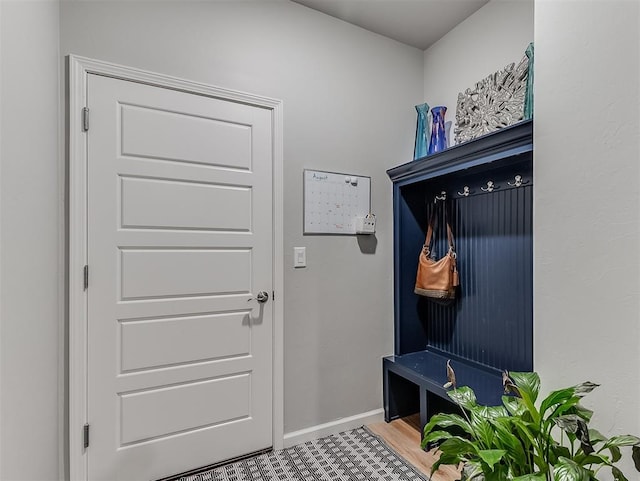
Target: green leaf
{"x": 623, "y": 440}
{"x": 568, "y": 423}
{"x": 532, "y": 439}
{"x": 514, "y": 405}
{"x": 528, "y": 430}
{"x": 555, "y": 398}
{"x": 558, "y": 452}
{"x": 472, "y": 471}
{"x": 585, "y": 388}
{"x": 435, "y": 436}
{"x": 616, "y": 455}
{"x": 458, "y": 447}
{"x": 568, "y": 470}
{"x": 596, "y": 436}
{"x": 635, "y": 455}
{"x": 583, "y": 412}
{"x": 463, "y": 396}
{"x": 527, "y": 383}
{"x": 491, "y": 456}
{"x": 446, "y": 458}
{"x": 593, "y": 458}
{"x": 505, "y": 439}
{"x": 482, "y": 429}
{"x": 447, "y": 421}
{"x": 617, "y": 474}
{"x": 531, "y": 477}
{"x": 500, "y": 473}
{"x": 573, "y": 424}
{"x": 528, "y": 387}
{"x": 491, "y": 412}
{"x": 567, "y": 407}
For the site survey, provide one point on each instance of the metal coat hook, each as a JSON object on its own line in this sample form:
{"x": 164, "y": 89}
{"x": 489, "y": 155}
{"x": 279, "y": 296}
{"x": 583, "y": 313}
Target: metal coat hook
{"x": 442, "y": 196}
{"x": 465, "y": 191}
{"x": 490, "y": 187}
{"x": 518, "y": 181}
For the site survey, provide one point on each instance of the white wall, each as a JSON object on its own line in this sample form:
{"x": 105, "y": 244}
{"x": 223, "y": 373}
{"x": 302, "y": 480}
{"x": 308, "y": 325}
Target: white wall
{"x": 348, "y": 107}
{"x": 587, "y": 199}
{"x": 30, "y": 247}
{"x": 490, "y": 39}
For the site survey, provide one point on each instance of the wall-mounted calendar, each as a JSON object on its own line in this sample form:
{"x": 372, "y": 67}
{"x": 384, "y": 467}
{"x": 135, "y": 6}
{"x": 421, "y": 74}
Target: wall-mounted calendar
{"x": 332, "y": 202}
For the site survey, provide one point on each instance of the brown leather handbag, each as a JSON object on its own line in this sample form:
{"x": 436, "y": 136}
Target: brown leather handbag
{"x": 437, "y": 279}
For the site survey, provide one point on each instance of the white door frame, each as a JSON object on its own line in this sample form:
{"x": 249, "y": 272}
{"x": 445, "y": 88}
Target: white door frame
{"x": 78, "y": 70}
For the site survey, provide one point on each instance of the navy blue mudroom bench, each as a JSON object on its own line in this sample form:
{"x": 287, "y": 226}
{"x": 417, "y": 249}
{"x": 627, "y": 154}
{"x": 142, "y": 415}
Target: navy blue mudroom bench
{"x": 487, "y": 185}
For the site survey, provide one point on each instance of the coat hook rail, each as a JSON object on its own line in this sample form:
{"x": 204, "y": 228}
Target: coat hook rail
{"x": 490, "y": 187}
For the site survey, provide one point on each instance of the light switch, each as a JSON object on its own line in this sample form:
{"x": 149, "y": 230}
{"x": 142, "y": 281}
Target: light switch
{"x": 299, "y": 257}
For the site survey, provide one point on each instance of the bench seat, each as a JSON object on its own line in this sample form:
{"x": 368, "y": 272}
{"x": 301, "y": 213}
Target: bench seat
{"x": 414, "y": 382}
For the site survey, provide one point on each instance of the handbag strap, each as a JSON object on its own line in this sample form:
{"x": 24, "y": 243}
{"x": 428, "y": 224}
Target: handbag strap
{"x": 430, "y": 229}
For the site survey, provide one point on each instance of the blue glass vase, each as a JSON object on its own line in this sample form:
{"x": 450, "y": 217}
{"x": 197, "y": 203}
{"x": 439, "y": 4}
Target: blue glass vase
{"x": 422, "y": 126}
{"x": 438, "y": 141}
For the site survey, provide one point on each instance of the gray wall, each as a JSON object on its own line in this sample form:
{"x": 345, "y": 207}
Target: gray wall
{"x": 587, "y": 199}
{"x": 348, "y": 107}
{"x": 490, "y": 39}
{"x": 349, "y": 99}
{"x": 30, "y": 242}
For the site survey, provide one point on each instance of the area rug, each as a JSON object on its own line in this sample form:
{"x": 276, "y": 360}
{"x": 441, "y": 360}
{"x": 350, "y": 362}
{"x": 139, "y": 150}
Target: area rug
{"x": 357, "y": 455}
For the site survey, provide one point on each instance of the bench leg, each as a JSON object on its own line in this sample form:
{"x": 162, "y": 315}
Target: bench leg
{"x": 423, "y": 411}
{"x": 385, "y": 393}
{"x": 400, "y": 396}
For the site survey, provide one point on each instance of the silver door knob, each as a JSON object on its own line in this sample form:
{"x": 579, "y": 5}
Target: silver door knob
{"x": 262, "y": 297}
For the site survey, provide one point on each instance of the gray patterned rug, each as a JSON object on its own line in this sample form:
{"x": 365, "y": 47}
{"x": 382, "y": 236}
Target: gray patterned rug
{"x": 356, "y": 455}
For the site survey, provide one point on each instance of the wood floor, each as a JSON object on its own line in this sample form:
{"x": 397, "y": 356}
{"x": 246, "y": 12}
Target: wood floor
{"x": 403, "y": 435}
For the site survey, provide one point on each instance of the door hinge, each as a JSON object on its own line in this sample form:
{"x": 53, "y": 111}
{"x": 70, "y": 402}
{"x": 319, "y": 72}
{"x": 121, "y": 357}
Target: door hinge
{"x": 273, "y": 295}
{"x": 85, "y": 433}
{"x": 85, "y": 119}
{"x": 86, "y": 277}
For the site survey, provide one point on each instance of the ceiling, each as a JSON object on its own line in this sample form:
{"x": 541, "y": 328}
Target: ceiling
{"x": 419, "y": 23}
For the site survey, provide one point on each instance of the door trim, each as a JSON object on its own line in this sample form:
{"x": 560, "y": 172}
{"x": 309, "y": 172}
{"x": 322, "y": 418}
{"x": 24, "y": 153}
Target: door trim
{"x": 78, "y": 69}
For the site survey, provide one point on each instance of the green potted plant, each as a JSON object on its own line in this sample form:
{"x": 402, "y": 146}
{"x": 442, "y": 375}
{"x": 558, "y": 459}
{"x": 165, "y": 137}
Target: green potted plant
{"x": 523, "y": 440}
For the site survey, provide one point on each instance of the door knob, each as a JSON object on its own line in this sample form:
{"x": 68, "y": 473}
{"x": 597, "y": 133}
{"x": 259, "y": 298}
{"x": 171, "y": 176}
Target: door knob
{"x": 262, "y": 297}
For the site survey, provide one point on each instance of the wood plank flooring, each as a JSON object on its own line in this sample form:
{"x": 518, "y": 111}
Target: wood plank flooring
{"x": 403, "y": 435}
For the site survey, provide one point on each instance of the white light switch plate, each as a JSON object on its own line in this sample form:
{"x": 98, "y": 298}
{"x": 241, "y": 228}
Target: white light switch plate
{"x": 299, "y": 257}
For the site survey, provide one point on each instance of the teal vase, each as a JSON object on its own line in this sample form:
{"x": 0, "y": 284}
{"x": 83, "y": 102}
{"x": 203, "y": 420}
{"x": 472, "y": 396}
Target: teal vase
{"x": 422, "y": 125}
{"x": 528, "y": 99}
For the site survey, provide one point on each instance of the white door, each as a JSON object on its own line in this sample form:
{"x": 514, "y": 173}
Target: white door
{"x": 179, "y": 243}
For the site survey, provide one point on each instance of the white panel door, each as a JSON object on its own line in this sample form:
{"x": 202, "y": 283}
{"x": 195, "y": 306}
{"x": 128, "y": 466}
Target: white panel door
{"x": 179, "y": 242}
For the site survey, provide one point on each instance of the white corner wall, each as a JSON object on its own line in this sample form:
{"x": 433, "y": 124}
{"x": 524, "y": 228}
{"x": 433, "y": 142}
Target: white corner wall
{"x": 32, "y": 280}
{"x": 490, "y": 39}
{"x": 348, "y": 107}
{"x": 587, "y": 204}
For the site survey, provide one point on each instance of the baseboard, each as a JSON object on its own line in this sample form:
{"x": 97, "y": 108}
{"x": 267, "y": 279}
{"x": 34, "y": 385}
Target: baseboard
{"x": 333, "y": 427}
